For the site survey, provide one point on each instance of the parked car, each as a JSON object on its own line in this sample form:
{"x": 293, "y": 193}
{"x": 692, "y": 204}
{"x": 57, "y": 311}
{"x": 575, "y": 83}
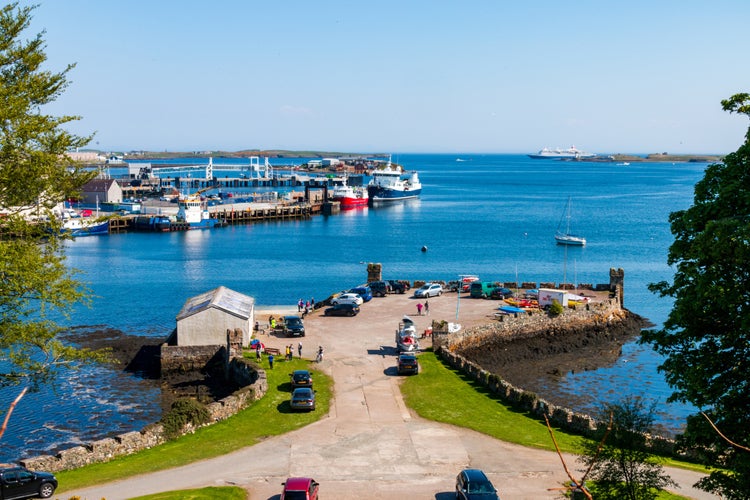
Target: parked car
{"x": 363, "y": 291}
{"x": 347, "y": 298}
{"x": 429, "y": 290}
{"x": 342, "y": 310}
{"x": 293, "y": 326}
{"x": 301, "y": 378}
{"x": 472, "y": 484}
{"x": 397, "y": 286}
{"x": 19, "y": 483}
{"x": 380, "y": 288}
{"x": 407, "y": 363}
{"x": 481, "y": 289}
{"x": 300, "y": 488}
{"x": 303, "y": 398}
{"x": 501, "y": 292}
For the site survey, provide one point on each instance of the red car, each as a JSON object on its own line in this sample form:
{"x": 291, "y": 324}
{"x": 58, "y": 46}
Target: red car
{"x": 300, "y": 488}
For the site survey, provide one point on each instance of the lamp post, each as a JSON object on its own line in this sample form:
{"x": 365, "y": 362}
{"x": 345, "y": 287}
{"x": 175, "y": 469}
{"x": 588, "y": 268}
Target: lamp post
{"x": 458, "y": 298}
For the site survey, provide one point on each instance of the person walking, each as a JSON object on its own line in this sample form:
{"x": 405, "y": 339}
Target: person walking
{"x": 419, "y": 308}
{"x": 299, "y": 305}
{"x": 270, "y": 361}
{"x": 257, "y": 352}
{"x": 299, "y": 349}
{"x": 319, "y": 357}
{"x": 426, "y": 308}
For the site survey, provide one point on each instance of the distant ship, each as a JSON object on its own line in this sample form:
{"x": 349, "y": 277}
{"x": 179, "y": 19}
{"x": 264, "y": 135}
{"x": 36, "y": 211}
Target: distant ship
{"x": 572, "y": 153}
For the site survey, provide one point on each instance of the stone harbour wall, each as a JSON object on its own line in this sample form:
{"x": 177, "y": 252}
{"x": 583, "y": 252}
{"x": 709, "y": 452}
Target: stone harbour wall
{"x": 596, "y": 316}
{"x": 243, "y": 372}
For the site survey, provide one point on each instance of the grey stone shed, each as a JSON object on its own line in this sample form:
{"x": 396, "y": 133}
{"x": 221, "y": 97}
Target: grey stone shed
{"x": 205, "y": 318}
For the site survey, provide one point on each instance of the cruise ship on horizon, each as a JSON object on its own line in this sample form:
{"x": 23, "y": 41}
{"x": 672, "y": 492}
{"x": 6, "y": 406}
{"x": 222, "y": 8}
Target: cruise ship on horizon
{"x": 572, "y": 153}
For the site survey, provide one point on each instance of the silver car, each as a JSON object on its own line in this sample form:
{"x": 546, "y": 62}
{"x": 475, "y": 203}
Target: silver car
{"x": 429, "y": 290}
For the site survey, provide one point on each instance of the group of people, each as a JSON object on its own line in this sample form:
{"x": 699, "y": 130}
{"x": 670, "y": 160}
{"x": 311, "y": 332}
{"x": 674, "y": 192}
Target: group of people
{"x": 305, "y": 307}
{"x": 425, "y": 306}
{"x": 290, "y": 351}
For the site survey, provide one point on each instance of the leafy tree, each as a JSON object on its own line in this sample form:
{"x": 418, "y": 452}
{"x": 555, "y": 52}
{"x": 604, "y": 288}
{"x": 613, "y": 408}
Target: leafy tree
{"x": 706, "y": 338}
{"x": 622, "y": 467}
{"x": 35, "y": 176}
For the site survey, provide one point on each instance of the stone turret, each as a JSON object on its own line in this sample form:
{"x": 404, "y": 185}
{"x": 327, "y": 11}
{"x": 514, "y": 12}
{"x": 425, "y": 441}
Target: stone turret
{"x": 617, "y": 284}
{"x": 374, "y": 272}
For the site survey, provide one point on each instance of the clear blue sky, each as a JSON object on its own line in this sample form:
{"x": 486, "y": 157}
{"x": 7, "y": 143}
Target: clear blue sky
{"x": 639, "y": 76}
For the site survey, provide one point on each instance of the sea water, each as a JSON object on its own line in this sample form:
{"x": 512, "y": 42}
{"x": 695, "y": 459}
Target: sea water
{"x": 490, "y": 215}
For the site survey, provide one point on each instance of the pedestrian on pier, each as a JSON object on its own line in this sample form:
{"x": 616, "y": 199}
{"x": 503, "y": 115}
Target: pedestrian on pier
{"x": 426, "y": 308}
{"x": 299, "y": 349}
{"x": 299, "y": 305}
{"x": 312, "y": 303}
{"x": 419, "y": 308}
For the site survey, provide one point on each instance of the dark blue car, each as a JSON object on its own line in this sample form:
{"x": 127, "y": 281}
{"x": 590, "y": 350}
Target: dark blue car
{"x": 472, "y": 484}
{"x": 363, "y": 291}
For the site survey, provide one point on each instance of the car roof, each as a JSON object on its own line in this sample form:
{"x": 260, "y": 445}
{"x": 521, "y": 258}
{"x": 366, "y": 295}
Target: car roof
{"x": 292, "y": 316}
{"x": 301, "y": 372}
{"x": 302, "y": 389}
{"x": 475, "y": 474}
{"x": 297, "y": 483}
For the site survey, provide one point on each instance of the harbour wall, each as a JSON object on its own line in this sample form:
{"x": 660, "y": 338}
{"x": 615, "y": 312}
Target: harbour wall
{"x": 245, "y": 373}
{"x": 513, "y": 333}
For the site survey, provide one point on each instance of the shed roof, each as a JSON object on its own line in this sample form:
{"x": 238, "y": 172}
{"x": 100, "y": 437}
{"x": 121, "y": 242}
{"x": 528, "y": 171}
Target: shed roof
{"x": 222, "y": 298}
{"x": 97, "y": 185}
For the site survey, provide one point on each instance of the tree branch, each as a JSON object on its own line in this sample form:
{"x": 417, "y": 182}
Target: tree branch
{"x": 10, "y": 411}
{"x": 723, "y": 436}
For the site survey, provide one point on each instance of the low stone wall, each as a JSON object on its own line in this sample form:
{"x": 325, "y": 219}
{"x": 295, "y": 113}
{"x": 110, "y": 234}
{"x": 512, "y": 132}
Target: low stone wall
{"x": 524, "y": 326}
{"x": 183, "y": 359}
{"x": 241, "y": 371}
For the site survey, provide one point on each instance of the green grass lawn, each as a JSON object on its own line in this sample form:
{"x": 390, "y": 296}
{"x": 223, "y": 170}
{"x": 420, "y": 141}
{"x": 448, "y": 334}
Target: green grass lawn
{"x": 212, "y": 493}
{"x": 270, "y": 416}
{"x": 446, "y": 395}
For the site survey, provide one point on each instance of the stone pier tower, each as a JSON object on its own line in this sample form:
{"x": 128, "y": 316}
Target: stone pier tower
{"x": 374, "y": 272}
{"x": 617, "y": 284}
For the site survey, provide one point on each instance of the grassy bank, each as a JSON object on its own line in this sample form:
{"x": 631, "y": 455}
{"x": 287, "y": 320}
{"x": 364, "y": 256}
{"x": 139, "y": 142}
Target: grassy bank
{"x": 444, "y": 394}
{"x": 270, "y": 416}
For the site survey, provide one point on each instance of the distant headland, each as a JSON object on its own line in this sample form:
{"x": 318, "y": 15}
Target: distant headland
{"x": 89, "y": 154}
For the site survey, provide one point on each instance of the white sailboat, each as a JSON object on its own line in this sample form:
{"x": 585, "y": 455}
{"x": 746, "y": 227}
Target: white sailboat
{"x": 566, "y": 237}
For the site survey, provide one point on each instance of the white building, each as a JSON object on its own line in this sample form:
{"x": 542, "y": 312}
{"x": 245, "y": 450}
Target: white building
{"x": 205, "y": 318}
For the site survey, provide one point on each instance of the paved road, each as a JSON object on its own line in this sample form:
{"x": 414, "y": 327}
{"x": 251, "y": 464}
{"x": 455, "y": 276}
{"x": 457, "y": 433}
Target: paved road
{"x": 370, "y": 446}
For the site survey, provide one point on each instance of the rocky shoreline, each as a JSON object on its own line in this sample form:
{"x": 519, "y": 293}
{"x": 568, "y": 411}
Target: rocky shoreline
{"x": 139, "y": 356}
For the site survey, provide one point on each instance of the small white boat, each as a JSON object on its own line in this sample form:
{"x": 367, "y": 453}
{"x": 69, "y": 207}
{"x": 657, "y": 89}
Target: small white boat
{"x": 194, "y": 212}
{"x": 406, "y": 336}
{"x": 565, "y": 237}
{"x": 78, "y": 226}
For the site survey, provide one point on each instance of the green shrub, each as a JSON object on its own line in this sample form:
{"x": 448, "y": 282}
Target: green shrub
{"x": 184, "y": 411}
{"x": 555, "y": 308}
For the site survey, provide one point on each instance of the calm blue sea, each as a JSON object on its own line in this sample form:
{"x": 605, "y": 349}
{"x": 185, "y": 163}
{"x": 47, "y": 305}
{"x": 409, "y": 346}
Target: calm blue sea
{"x": 491, "y": 215}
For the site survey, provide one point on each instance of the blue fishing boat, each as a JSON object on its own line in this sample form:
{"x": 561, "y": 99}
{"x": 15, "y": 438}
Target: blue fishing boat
{"x": 391, "y": 183}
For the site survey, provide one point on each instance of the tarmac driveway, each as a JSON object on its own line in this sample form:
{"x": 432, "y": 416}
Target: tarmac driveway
{"x": 370, "y": 446}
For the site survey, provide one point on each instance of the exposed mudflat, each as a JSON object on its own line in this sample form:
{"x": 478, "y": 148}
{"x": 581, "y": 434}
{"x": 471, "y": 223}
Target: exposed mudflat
{"x": 534, "y": 360}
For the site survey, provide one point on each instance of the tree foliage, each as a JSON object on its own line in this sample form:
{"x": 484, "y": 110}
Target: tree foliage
{"x": 35, "y": 176}
{"x": 706, "y": 338}
{"x": 623, "y": 468}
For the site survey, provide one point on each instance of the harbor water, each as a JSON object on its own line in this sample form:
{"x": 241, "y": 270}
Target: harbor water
{"x": 490, "y": 215}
